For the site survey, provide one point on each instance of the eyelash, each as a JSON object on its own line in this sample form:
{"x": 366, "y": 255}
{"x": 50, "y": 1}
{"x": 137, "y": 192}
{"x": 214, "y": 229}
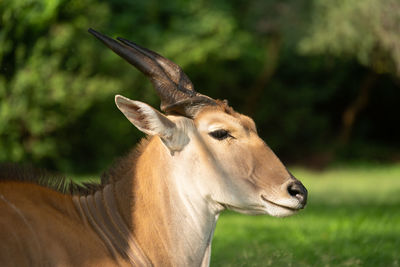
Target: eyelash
{"x": 220, "y": 134}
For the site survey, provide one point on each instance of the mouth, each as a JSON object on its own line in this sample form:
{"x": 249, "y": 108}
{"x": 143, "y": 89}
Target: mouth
{"x": 279, "y": 205}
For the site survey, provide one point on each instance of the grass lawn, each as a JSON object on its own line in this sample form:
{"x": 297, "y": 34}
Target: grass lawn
{"x": 352, "y": 219}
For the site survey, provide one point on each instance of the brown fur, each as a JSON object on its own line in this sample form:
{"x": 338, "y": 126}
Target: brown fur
{"x": 46, "y": 222}
{"x": 37, "y": 225}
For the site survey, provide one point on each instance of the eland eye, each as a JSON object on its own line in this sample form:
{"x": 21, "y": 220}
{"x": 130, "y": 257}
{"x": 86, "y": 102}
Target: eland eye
{"x": 220, "y": 134}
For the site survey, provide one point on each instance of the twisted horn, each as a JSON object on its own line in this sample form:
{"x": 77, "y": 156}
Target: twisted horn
{"x": 171, "y": 83}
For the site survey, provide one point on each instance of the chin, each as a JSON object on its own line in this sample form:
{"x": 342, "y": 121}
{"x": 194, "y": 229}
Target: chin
{"x": 281, "y": 212}
{"x": 269, "y": 209}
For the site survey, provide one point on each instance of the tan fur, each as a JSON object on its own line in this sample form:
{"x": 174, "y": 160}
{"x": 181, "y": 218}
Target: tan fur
{"x": 40, "y": 227}
{"x": 158, "y": 207}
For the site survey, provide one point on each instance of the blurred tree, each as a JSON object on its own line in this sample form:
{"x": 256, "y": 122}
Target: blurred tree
{"x": 367, "y": 30}
{"x": 46, "y": 79}
{"x": 294, "y": 66}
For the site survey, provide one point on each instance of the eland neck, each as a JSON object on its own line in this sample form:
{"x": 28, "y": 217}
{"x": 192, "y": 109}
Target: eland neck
{"x": 167, "y": 217}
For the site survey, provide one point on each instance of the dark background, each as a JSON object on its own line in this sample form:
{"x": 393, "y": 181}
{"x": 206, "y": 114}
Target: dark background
{"x": 320, "y": 78}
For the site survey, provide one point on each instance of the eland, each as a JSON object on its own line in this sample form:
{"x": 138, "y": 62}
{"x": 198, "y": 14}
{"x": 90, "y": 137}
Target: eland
{"x": 159, "y": 205}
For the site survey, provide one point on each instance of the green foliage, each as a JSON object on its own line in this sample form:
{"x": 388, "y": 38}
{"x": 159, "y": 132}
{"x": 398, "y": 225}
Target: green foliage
{"x": 47, "y": 78}
{"x": 57, "y": 82}
{"x": 367, "y": 30}
{"x": 349, "y": 221}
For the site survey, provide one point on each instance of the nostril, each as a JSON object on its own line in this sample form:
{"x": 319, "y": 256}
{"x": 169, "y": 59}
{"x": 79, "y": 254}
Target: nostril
{"x": 293, "y": 190}
{"x": 297, "y": 190}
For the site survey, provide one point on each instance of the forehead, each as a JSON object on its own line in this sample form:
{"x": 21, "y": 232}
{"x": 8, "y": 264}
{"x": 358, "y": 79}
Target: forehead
{"x": 223, "y": 116}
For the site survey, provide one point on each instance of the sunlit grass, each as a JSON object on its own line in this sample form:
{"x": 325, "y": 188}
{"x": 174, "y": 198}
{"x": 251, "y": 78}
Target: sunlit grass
{"x": 352, "y": 219}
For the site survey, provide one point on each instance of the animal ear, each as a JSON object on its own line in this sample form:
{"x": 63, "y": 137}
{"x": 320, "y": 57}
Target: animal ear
{"x": 152, "y": 122}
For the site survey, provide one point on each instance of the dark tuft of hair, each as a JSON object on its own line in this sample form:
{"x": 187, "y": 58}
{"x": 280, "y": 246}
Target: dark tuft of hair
{"x": 52, "y": 180}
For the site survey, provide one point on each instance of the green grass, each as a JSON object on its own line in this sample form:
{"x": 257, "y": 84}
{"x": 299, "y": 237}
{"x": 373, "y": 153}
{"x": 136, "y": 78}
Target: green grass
{"x": 352, "y": 219}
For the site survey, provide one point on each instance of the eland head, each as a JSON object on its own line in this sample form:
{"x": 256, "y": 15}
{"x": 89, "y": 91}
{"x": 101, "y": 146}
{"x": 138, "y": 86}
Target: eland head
{"x": 215, "y": 150}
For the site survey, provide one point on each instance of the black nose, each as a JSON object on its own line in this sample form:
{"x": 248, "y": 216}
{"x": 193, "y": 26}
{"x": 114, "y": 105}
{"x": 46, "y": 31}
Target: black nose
{"x": 297, "y": 190}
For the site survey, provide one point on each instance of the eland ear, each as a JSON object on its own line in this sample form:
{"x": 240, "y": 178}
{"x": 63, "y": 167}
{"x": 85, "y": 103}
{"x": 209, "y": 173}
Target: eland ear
{"x": 152, "y": 122}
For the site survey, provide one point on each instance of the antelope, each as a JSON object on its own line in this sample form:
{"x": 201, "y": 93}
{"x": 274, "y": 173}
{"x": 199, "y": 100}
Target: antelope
{"x": 159, "y": 205}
